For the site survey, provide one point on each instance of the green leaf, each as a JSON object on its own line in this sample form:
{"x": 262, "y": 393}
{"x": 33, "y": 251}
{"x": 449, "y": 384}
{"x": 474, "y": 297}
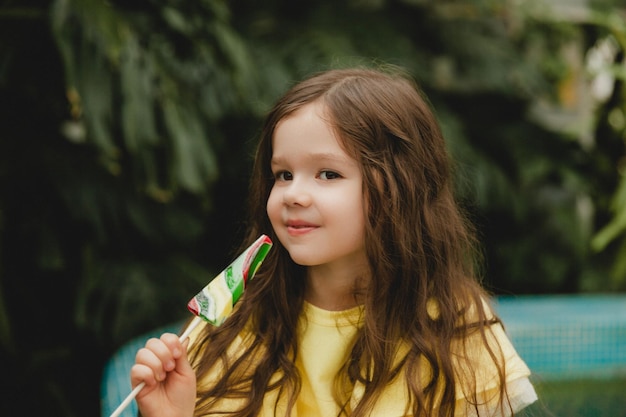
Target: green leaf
{"x": 617, "y": 226}
{"x": 193, "y": 163}
{"x": 137, "y": 84}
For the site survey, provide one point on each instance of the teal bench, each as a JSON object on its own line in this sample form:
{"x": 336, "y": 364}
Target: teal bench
{"x": 568, "y": 336}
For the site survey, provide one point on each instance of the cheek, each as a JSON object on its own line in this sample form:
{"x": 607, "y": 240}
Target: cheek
{"x": 360, "y": 211}
{"x": 272, "y": 206}
{"x": 359, "y": 220}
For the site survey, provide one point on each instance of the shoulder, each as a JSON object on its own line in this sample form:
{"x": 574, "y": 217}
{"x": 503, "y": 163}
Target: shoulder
{"x": 487, "y": 364}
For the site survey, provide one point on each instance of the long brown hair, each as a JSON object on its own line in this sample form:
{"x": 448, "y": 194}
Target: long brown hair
{"x": 421, "y": 251}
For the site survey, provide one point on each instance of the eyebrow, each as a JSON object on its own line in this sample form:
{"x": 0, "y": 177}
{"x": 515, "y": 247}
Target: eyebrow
{"x": 317, "y": 156}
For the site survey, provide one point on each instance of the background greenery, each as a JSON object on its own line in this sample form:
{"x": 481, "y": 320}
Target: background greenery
{"x": 578, "y": 398}
{"x": 127, "y": 129}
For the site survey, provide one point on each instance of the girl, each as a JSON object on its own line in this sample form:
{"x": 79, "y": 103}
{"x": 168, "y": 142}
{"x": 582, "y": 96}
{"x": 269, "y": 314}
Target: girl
{"x": 368, "y": 304}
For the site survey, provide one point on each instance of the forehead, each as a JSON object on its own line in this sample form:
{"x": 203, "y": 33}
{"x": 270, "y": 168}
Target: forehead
{"x": 306, "y": 129}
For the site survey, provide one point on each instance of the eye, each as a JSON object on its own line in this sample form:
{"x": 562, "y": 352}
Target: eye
{"x": 329, "y": 175}
{"x": 283, "y": 176}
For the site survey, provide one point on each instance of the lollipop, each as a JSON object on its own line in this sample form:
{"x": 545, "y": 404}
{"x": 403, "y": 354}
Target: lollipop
{"x": 216, "y": 301}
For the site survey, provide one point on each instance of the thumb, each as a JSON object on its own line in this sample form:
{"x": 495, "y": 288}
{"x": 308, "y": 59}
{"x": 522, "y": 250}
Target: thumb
{"x": 182, "y": 361}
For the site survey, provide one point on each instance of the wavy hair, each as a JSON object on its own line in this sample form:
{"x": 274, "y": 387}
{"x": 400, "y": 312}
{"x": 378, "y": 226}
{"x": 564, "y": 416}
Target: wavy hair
{"x": 420, "y": 249}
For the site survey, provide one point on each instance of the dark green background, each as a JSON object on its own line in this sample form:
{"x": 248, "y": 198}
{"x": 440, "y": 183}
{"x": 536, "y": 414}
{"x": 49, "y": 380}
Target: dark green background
{"x": 127, "y": 129}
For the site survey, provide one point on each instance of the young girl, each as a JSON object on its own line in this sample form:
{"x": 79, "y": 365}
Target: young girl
{"x": 367, "y": 305}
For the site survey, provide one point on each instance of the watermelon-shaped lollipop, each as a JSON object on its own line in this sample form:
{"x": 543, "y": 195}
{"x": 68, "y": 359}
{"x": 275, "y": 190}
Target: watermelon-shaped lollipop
{"x": 215, "y": 302}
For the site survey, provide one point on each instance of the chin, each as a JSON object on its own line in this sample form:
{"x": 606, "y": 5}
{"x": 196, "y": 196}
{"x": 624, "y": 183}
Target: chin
{"x": 302, "y": 259}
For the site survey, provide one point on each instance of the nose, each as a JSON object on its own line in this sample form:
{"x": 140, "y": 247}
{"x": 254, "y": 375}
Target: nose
{"x": 297, "y": 194}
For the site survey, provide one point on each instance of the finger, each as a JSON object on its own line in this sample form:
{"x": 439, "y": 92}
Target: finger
{"x": 161, "y": 351}
{"x": 178, "y": 351}
{"x": 174, "y": 344}
{"x": 142, "y": 373}
{"x": 149, "y": 359}
{"x": 182, "y": 361}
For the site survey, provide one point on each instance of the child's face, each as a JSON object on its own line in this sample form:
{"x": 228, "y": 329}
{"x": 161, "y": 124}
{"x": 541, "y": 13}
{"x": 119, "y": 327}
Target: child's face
{"x": 316, "y": 203}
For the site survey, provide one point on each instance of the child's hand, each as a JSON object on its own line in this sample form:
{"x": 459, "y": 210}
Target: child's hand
{"x": 170, "y": 389}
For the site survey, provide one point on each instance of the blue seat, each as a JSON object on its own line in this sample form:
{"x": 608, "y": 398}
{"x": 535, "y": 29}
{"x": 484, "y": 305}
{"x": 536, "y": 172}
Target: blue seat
{"x": 566, "y": 337}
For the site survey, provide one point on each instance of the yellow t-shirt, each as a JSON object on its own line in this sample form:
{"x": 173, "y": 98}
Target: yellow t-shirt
{"x": 326, "y": 338}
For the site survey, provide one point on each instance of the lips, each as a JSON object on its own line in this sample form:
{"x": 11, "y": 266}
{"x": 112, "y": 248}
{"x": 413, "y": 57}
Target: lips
{"x": 299, "y": 227}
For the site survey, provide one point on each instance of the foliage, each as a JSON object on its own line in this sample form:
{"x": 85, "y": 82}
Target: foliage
{"x": 611, "y": 68}
{"x": 127, "y": 136}
{"x": 579, "y": 398}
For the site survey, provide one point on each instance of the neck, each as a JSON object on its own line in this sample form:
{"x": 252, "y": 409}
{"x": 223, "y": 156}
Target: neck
{"x": 334, "y": 289}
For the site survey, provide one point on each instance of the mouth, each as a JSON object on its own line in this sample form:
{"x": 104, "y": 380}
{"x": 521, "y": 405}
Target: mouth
{"x": 298, "y": 227}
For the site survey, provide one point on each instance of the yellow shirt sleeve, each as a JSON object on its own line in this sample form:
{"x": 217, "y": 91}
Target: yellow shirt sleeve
{"x": 477, "y": 373}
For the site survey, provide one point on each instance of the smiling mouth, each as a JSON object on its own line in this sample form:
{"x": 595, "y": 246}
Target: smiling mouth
{"x": 300, "y": 228}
